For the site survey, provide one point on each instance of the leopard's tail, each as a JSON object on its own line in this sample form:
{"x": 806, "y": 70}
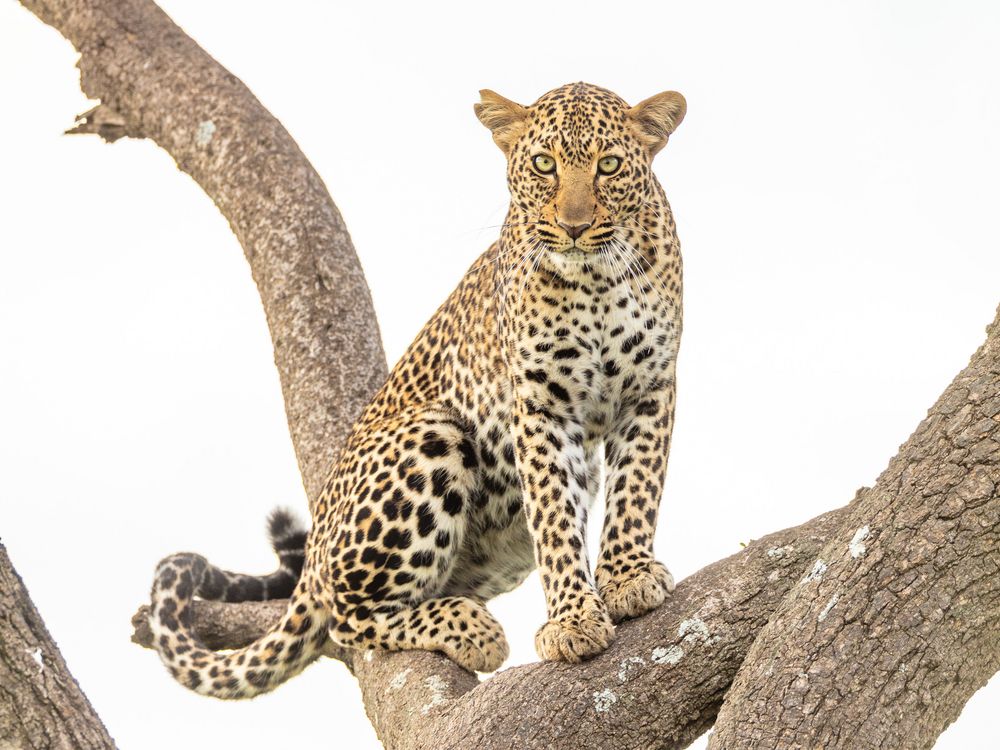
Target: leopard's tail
{"x": 288, "y": 540}
{"x": 285, "y": 650}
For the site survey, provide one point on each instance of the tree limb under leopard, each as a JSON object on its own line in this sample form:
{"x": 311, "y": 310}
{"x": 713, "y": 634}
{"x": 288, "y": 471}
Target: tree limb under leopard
{"x": 674, "y": 664}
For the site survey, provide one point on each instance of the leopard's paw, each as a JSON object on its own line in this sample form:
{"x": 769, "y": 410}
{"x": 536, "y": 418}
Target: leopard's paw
{"x": 475, "y": 654}
{"x": 637, "y": 592}
{"x": 479, "y": 648}
{"x": 577, "y": 635}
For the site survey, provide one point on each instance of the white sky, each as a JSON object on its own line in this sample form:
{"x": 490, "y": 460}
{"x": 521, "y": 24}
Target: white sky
{"x": 835, "y": 187}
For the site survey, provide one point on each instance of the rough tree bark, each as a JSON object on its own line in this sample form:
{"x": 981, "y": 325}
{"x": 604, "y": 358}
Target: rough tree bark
{"x": 663, "y": 681}
{"x": 659, "y": 685}
{"x": 897, "y": 623}
{"x": 41, "y": 706}
{"x": 154, "y": 82}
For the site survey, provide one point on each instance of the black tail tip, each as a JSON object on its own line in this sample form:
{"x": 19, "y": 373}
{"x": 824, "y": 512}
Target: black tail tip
{"x": 282, "y": 526}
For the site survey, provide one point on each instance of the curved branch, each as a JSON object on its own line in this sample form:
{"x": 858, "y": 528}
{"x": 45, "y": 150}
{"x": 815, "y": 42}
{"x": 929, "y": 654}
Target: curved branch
{"x": 898, "y": 623}
{"x": 155, "y": 82}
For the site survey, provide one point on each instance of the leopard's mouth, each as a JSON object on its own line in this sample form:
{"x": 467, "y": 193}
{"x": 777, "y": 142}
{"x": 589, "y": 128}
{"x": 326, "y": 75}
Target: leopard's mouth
{"x": 572, "y": 260}
{"x": 577, "y": 252}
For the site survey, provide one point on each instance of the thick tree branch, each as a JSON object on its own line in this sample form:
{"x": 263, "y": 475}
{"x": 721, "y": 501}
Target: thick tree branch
{"x": 41, "y": 706}
{"x": 153, "y": 81}
{"x": 659, "y": 684}
{"x": 898, "y": 623}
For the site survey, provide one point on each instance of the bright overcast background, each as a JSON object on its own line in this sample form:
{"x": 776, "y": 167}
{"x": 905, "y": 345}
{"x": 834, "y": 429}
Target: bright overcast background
{"x": 835, "y": 188}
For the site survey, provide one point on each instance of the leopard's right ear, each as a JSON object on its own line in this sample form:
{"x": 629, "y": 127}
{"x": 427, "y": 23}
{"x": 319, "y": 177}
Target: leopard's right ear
{"x": 502, "y": 116}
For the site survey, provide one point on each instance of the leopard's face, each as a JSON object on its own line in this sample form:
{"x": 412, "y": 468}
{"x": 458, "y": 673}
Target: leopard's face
{"x": 579, "y": 163}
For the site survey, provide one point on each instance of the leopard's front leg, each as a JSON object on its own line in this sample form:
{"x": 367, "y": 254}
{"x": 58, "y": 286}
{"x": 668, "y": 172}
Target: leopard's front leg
{"x": 630, "y": 580}
{"x": 553, "y": 469}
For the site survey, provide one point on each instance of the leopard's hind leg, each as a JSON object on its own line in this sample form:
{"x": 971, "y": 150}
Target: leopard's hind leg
{"x": 403, "y": 496}
{"x": 458, "y": 626}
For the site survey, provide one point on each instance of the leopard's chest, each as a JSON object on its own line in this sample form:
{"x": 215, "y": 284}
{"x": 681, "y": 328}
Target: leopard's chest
{"x": 603, "y": 351}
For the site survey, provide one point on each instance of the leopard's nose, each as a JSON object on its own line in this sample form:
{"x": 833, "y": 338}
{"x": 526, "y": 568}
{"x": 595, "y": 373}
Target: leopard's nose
{"x": 574, "y": 230}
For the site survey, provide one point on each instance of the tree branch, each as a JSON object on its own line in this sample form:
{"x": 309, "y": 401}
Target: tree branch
{"x": 153, "y": 81}
{"x": 660, "y": 683}
{"x": 41, "y": 705}
{"x": 898, "y": 624}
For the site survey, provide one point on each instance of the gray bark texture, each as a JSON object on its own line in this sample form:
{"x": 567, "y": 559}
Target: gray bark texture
{"x": 897, "y": 623}
{"x": 41, "y": 705}
{"x": 664, "y": 679}
{"x": 154, "y": 82}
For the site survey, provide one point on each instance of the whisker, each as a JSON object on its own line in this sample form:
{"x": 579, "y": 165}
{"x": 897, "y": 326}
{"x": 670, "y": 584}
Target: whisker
{"x": 637, "y": 272}
{"x": 657, "y": 283}
{"x": 528, "y": 257}
{"x": 644, "y": 306}
{"x": 512, "y": 270}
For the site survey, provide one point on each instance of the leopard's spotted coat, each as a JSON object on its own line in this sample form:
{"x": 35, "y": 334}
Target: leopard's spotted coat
{"x": 480, "y": 456}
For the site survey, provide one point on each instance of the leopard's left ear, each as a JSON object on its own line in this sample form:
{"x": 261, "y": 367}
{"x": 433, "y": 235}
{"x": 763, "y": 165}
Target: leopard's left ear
{"x": 502, "y": 116}
{"x": 657, "y": 117}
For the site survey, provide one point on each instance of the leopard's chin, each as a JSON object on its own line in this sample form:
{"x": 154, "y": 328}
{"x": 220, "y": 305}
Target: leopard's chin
{"x": 571, "y": 264}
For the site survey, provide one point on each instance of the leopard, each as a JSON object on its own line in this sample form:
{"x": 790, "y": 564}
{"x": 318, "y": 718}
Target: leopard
{"x": 548, "y": 373}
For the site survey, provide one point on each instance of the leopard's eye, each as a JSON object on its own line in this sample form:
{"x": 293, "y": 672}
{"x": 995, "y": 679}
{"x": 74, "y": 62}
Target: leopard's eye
{"x": 544, "y": 164}
{"x": 609, "y": 165}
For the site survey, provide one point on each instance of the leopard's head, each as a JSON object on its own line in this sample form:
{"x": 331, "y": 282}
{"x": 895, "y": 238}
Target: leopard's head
{"x": 579, "y": 161}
